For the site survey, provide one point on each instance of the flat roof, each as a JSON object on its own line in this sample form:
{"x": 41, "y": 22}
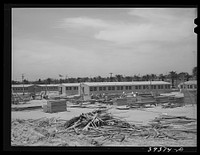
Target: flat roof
{"x": 70, "y": 84}
{"x": 21, "y": 85}
{"x": 28, "y": 85}
{"x": 53, "y": 85}
{"x": 189, "y": 82}
{"x": 125, "y": 83}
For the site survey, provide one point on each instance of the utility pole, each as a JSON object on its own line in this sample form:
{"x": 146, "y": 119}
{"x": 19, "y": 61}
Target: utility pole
{"x": 194, "y": 58}
{"x": 111, "y": 76}
{"x": 23, "y": 82}
{"x": 66, "y": 79}
{"x": 150, "y": 86}
{"x": 46, "y": 88}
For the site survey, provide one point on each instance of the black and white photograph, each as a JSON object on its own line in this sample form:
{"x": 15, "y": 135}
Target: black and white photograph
{"x": 104, "y": 77}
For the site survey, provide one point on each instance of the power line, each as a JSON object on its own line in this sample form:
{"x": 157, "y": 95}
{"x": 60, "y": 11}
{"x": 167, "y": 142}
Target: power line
{"x": 23, "y": 82}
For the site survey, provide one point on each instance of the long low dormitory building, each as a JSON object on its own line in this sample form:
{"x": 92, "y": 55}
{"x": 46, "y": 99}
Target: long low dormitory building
{"x": 36, "y": 88}
{"x": 92, "y": 88}
{"x": 189, "y": 85}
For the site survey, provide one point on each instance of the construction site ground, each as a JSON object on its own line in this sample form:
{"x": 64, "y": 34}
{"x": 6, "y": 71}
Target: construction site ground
{"x": 139, "y": 116}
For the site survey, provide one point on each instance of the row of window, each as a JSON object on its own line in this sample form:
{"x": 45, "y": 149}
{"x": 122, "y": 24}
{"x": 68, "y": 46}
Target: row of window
{"x": 25, "y": 88}
{"x": 49, "y": 88}
{"x": 71, "y": 88}
{"x": 130, "y": 87}
{"x": 104, "y": 88}
{"x": 43, "y": 88}
{"x": 189, "y": 86}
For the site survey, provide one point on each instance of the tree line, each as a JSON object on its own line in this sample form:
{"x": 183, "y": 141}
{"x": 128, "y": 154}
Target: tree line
{"x": 172, "y": 77}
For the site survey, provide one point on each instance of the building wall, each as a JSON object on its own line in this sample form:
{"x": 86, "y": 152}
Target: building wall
{"x": 126, "y": 89}
{"x": 86, "y": 89}
{"x": 34, "y": 89}
{"x": 70, "y": 90}
{"x": 27, "y": 89}
{"x": 188, "y": 86}
{"x": 49, "y": 88}
{"x": 19, "y": 89}
{"x": 30, "y": 88}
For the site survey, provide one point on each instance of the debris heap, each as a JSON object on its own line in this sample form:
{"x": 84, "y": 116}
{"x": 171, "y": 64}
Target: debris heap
{"x": 101, "y": 123}
{"x": 98, "y": 127}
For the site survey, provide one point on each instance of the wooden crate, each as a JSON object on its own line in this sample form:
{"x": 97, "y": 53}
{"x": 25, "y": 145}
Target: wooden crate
{"x": 56, "y": 106}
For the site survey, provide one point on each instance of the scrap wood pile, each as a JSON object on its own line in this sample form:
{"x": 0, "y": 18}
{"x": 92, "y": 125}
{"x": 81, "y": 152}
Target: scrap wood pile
{"x": 101, "y": 125}
{"x": 172, "y": 105}
{"x": 175, "y": 127}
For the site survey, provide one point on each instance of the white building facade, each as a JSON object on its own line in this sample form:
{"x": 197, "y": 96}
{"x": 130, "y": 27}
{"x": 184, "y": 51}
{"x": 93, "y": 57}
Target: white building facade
{"x": 188, "y": 85}
{"x": 92, "y": 88}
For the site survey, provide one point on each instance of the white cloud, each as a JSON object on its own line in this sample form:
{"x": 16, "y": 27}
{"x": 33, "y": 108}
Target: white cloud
{"x": 160, "y": 25}
{"x": 163, "y": 14}
{"x": 80, "y": 22}
{"x": 36, "y": 57}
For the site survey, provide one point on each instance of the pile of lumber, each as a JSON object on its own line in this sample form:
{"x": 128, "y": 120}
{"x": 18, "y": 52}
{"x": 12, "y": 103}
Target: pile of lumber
{"x": 100, "y": 123}
{"x": 131, "y": 100}
{"x": 162, "y": 99}
{"x": 126, "y": 107}
{"x": 145, "y": 100}
{"x": 55, "y": 106}
{"x": 171, "y": 105}
{"x": 145, "y": 94}
{"x": 171, "y": 99}
{"x": 101, "y": 126}
{"x": 175, "y": 127}
{"x": 120, "y": 101}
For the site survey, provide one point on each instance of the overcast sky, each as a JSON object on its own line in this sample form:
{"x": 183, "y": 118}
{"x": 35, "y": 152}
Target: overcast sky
{"x": 90, "y": 42}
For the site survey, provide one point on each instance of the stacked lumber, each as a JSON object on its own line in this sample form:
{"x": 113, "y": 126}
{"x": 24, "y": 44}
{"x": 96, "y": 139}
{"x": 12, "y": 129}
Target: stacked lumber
{"x": 171, "y": 105}
{"x": 144, "y": 100}
{"x": 162, "y": 99}
{"x": 171, "y": 99}
{"x": 123, "y": 107}
{"x": 55, "y": 106}
{"x": 145, "y": 95}
{"x": 180, "y": 99}
{"x": 131, "y": 100}
{"x": 120, "y": 101}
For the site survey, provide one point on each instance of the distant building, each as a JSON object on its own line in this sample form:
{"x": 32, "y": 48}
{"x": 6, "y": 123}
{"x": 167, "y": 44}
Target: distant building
{"x": 189, "y": 85}
{"x": 49, "y": 87}
{"x": 69, "y": 88}
{"x": 189, "y": 89}
{"x": 33, "y": 88}
{"x": 89, "y": 88}
{"x": 26, "y": 88}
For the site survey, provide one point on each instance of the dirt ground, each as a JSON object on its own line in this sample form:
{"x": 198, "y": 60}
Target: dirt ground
{"x": 140, "y": 116}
